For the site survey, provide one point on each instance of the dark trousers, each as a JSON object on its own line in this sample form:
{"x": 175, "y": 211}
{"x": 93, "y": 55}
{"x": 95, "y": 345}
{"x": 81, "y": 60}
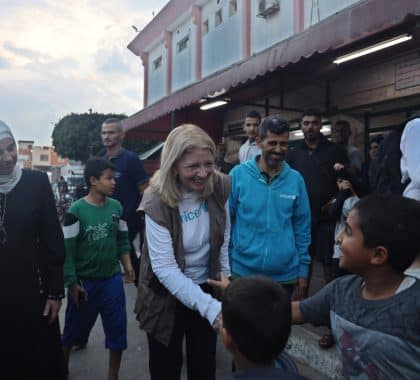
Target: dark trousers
{"x": 165, "y": 363}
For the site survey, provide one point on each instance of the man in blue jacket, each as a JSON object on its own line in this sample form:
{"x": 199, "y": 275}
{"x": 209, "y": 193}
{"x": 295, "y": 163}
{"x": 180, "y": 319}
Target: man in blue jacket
{"x": 270, "y": 214}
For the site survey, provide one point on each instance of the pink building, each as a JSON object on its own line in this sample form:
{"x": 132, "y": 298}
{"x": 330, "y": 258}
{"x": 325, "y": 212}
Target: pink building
{"x": 278, "y": 56}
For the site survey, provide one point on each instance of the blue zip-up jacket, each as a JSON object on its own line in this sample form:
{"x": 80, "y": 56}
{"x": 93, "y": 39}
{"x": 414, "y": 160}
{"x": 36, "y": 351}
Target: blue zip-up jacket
{"x": 271, "y": 223}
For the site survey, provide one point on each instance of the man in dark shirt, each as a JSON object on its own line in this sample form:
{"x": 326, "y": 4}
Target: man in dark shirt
{"x": 131, "y": 180}
{"x": 314, "y": 158}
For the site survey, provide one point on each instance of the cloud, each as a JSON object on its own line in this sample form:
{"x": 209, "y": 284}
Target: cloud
{"x": 63, "y": 57}
{"x": 4, "y": 63}
{"x": 113, "y": 62}
{"x": 65, "y": 64}
{"x": 133, "y": 93}
{"x": 24, "y": 52}
{"x": 34, "y": 106}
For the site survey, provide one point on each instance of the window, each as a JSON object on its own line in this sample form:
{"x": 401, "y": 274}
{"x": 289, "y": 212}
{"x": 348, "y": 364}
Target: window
{"x": 233, "y": 7}
{"x": 157, "y": 63}
{"x": 182, "y": 44}
{"x": 218, "y": 18}
{"x": 205, "y": 27}
{"x": 43, "y": 157}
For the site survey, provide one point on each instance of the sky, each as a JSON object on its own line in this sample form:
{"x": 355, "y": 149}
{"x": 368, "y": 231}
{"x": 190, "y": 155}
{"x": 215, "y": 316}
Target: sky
{"x": 59, "y": 57}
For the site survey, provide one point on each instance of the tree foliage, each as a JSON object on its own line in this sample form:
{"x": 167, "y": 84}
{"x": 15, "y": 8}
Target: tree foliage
{"x": 78, "y": 136}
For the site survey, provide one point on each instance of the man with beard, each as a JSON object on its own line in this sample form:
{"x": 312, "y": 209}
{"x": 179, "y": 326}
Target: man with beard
{"x": 270, "y": 214}
{"x": 315, "y": 158}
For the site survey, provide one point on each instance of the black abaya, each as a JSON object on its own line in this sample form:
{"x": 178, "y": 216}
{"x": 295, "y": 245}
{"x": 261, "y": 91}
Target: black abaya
{"x": 31, "y": 269}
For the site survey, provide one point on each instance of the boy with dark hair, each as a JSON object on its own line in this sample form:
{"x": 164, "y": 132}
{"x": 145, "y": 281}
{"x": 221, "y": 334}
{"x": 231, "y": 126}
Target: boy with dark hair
{"x": 96, "y": 241}
{"x": 374, "y": 314}
{"x": 256, "y": 326}
{"x": 250, "y": 148}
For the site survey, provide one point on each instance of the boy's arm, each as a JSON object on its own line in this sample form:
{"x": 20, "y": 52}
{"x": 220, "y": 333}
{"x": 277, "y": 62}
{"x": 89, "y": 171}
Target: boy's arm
{"x": 297, "y": 317}
{"x": 128, "y": 268}
{"x": 71, "y": 230}
{"x": 123, "y": 247}
{"x": 315, "y": 309}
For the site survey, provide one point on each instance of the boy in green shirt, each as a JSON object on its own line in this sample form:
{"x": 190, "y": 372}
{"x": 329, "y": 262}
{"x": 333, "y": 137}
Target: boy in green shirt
{"x": 96, "y": 241}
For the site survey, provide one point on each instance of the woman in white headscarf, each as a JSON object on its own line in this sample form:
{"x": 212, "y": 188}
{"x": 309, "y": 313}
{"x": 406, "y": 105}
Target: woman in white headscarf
{"x": 410, "y": 172}
{"x": 31, "y": 271}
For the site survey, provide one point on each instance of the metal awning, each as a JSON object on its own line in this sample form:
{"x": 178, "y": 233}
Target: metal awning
{"x": 357, "y": 22}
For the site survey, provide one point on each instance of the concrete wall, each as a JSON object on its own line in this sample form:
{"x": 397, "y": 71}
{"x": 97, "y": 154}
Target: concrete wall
{"x": 222, "y": 38}
{"x": 157, "y": 76}
{"x": 222, "y": 45}
{"x": 326, "y": 8}
{"x": 183, "y": 65}
{"x": 272, "y": 29}
{"x": 38, "y": 155}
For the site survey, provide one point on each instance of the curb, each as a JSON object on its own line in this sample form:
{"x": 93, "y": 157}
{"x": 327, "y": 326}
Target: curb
{"x": 303, "y": 347}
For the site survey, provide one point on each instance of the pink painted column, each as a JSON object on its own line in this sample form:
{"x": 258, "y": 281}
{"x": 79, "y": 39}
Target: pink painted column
{"x": 198, "y": 21}
{"x": 246, "y": 29}
{"x": 145, "y": 60}
{"x": 167, "y": 37}
{"x": 299, "y": 14}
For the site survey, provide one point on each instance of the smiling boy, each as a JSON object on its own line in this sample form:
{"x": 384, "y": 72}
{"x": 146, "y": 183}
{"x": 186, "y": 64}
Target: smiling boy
{"x": 374, "y": 314}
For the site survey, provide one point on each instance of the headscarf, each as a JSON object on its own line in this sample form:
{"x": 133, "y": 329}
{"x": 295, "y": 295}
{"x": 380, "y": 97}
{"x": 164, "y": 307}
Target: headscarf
{"x": 410, "y": 160}
{"x": 8, "y": 181}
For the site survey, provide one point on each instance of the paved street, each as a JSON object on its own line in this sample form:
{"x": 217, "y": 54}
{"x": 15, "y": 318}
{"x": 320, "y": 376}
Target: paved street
{"x": 92, "y": 363}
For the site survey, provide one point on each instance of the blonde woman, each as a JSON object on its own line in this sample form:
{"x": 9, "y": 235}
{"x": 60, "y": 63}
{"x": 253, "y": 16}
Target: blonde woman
{"x": 187, "y": 236}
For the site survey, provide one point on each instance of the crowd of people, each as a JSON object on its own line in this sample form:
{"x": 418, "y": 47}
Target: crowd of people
{"x": 221, "y": 254}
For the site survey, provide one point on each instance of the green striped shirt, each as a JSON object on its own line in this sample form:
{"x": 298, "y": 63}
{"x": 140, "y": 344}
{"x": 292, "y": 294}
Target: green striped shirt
{"x": 95, "y": 238}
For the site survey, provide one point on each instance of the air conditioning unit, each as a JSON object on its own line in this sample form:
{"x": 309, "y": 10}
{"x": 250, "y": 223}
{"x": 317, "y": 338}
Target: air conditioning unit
{"x": 268, "y": 8}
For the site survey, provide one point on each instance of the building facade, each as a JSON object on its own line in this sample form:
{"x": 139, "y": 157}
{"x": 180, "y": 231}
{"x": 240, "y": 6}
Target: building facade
{"x": 279, "y": 57}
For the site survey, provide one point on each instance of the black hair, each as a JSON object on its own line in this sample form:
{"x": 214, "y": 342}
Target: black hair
{"x": 376, "y": 139}
{"x": 254, "y": 114}
{"x": 256, "y": 312}
{"x": 311, "y": 112}
{"x": 393, "y": 222}
{"x": 95, "y": 167}
{"x": 343, "y": 174}
{"x": 274, "y": 124}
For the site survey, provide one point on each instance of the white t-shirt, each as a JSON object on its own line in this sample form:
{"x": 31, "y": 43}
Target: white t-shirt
{"x": 248, "y": 151}
{"x": 413, "y": 272}
{"x": 196, "y": 239}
